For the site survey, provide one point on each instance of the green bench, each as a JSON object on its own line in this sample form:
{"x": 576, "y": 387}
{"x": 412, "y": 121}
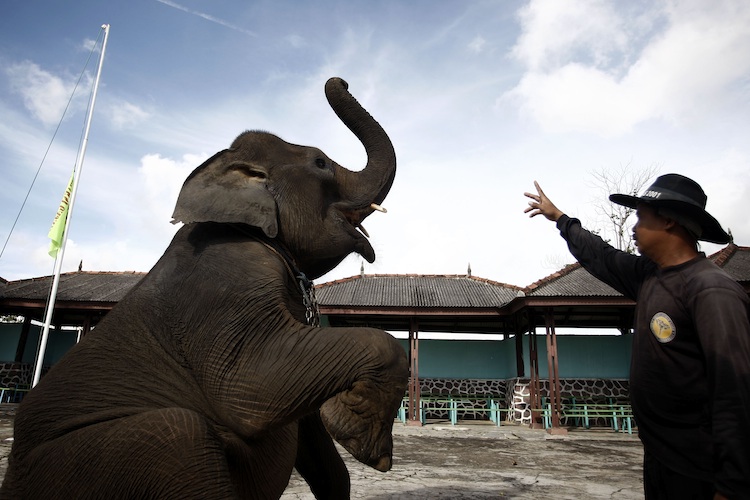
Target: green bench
{"x": 453, "y": 405}
{"x": 13, "y": 394}
{"x": 583, "y": 413}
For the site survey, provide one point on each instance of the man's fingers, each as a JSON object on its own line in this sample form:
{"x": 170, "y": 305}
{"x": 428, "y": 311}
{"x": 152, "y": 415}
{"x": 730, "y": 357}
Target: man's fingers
{"x": 539, "y": 190}
{"x": 540, "y": 205}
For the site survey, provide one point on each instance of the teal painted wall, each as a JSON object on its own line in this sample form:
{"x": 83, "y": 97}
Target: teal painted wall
{"x": 476, "y": 359}
{"x": 585, "y": 356}
{"x": 58, "y": 344}
{"x": 9, "y": 335}
{"x": 579, "y": 356}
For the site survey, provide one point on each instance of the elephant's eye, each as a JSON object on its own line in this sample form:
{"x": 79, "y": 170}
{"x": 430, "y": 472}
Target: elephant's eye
{"x": 248, "y": 170}
{"x": 320, "y": 163}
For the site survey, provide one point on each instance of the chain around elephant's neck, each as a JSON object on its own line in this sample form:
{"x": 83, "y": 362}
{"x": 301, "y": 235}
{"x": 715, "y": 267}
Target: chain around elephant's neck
{"x": 307, "y": 287}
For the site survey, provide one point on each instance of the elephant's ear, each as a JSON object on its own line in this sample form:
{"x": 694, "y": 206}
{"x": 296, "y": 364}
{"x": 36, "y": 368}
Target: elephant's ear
{"x": 221, "y": 190}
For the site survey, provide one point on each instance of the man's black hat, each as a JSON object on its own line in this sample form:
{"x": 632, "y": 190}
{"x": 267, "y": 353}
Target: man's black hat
{"x": 682, "y": 196}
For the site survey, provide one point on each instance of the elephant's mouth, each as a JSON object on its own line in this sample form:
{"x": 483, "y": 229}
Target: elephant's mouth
{"x": 354, "y": 217}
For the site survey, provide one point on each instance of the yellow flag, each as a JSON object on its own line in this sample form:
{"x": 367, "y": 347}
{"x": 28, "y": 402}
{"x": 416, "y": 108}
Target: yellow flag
{"x": 58, "y": 225}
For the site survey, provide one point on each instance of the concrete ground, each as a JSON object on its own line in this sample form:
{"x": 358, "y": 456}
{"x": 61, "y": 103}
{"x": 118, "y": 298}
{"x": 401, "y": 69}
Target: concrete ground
{"x": 7, "y": 412}
{"x": 477, "y": 460}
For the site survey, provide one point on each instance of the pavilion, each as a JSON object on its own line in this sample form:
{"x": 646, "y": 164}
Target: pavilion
{"x": 460, "y": 304}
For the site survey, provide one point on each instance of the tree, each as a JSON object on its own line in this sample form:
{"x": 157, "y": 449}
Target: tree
{"x": 625, "y": 180}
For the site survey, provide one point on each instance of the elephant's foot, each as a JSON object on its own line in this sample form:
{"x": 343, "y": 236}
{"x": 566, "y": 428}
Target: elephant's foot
{"x": 362, "y": 423}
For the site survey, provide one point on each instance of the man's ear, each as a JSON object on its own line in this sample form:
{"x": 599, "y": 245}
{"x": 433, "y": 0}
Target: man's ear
{"x": 231, "y": 192}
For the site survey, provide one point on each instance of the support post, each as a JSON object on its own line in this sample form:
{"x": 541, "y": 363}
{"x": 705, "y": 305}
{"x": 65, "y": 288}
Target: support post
{"x": 86, "y": 325}
{"x": 520, "y": 367}
{"x": 414, "y": 387}
{"x": 554, "y": 375}
{"x": 535, "y": 397}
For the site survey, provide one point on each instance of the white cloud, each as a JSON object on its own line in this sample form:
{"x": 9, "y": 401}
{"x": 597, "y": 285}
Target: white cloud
{"x": 553, "y": 31}
{"x": 121, "y": 226}
{"x": 477, "y": 44}
{"x": 162, "y": 179}
{"x": 579, "y": 98}
{"x": 638, "y": 70}
{"x": 726, "y": 190}
{"x": 586, "y": 72}
{"x": 89, "y": 44}
{"x": 125, "y": 115}
{"x": 296, "y": 41}
{"x": 705, "y": 51}
{"x": 45, "y": 95}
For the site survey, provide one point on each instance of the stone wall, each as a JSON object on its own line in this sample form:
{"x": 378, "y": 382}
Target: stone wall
{"x": 474, "y": 388}
{"x": 515, "y": 394}
{"x": 14, "y": 373}
{"x": 519, "y": 397}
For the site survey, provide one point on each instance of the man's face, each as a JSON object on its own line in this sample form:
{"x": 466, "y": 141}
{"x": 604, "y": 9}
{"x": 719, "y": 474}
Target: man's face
{"x": 648, "y": 232}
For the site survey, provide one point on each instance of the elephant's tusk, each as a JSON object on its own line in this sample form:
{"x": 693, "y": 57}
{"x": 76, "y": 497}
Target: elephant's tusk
{"x": 364, "y": 231}
{"x": 377, "y": 207}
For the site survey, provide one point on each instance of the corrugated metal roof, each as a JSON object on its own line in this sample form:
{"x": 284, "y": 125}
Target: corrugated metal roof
{"x": 419, "y": 291}
{"x": 572, "y": 280}
{"x": 416, "y": 291}
{"x": 81, "y": 286}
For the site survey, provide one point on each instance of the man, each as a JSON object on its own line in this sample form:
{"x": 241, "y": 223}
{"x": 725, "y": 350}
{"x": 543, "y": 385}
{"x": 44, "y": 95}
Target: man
{"x": 690, "y": 367}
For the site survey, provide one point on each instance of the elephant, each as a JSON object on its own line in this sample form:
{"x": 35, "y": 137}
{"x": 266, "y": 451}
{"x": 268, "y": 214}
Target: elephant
{"x": 210, "y": 379}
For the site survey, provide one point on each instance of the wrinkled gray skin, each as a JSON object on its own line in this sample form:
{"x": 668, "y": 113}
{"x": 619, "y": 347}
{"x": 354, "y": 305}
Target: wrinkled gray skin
{"x": 204, "y": 381}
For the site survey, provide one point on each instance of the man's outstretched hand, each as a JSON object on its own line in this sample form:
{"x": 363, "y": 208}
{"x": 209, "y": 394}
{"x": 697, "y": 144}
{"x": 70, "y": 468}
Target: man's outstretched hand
{"x": 540, "y": 205}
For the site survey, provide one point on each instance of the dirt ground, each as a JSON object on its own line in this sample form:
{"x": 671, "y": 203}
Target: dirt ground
{"x": 477, "y": 460}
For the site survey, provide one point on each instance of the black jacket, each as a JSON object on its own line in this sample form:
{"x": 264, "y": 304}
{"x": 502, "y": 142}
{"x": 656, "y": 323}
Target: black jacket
{"x": 690, "y": 367}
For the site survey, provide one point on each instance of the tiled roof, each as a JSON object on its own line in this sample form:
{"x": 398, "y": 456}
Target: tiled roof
{"x": 735, "y": 260}
{"x": 81, "y": 286}
{"x": 415, "y": 291}
{"x": 573, "y": 280}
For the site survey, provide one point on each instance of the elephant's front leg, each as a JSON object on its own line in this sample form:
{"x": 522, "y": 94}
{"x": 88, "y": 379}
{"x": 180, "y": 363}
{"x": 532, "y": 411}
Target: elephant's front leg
{"x": 361, "y": 416}
{"x": 361, "y": 419}
{"x": 355, "y": 376}
{"x": 319, "y": 462}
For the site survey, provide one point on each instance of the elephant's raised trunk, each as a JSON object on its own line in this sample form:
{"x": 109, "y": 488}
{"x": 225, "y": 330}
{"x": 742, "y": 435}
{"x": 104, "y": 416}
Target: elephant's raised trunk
{"x": 372, "y": 184}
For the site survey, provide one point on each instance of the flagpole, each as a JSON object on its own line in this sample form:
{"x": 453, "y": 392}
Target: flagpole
{"x": 61, "y": 252}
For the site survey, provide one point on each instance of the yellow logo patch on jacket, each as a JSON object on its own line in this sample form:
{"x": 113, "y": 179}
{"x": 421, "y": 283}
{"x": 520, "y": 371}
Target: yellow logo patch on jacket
{"x": 663, "y": 328}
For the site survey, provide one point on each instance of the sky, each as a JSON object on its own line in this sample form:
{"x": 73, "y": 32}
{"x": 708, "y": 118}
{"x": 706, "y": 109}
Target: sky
{"x": 479, "y": 99}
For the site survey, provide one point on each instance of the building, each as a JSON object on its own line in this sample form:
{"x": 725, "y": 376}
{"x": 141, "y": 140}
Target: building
{"x": 515, "y": 368}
